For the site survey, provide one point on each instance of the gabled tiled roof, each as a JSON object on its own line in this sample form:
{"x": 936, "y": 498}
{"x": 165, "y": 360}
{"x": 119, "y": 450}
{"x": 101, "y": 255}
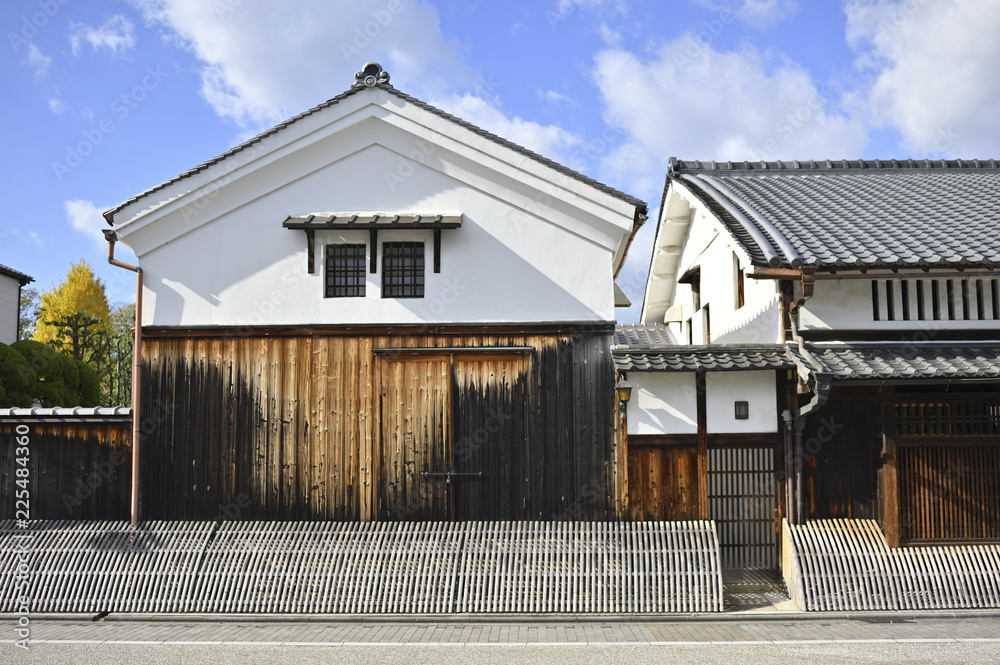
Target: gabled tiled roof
{"x": 639, "y": 204}
{"x": 857, "y": 213}
{"x": 19, "y": 276}
{"x": 897, "y": 360}
{"x": 647, "y": 348}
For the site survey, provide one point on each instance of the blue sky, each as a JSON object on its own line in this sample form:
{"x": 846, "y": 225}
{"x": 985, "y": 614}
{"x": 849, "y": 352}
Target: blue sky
{"x": 104, "y": 98}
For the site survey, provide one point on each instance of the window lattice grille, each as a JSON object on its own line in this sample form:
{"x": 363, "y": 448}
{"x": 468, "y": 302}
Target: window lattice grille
{"x": 959, "y": 299}
{"x": 403, "y": 270}
{"x": 345, "y": 271}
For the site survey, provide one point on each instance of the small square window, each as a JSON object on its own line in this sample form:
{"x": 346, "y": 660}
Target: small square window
{"x": 742, "y": 410}
{"x": 402, "y": 270}
{"x": 345, "y": 271}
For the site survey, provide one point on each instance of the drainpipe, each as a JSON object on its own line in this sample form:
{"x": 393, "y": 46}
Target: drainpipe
{"x": 820, "y": 389}
{"x": 112, "y": 237}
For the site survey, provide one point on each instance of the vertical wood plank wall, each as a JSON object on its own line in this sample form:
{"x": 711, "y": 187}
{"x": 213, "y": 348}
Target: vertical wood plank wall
{"x": 949, "y": 492}
{"x": 289, "y": 425}
{"x": 76, "y": 470}
{"x": 663, "y": 478}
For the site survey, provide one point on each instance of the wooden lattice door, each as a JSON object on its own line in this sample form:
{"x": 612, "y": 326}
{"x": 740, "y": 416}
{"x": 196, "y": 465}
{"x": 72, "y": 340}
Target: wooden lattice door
{"x": 743, "y": 502}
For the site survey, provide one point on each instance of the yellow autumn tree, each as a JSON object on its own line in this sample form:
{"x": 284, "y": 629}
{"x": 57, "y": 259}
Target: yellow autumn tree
{"x": 75, "y": 316}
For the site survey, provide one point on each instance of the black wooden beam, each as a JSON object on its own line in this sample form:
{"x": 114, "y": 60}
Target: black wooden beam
{"x": 374, "y": 249}
{"x": 311, "y": 249}
{"x": 437, "y": 250}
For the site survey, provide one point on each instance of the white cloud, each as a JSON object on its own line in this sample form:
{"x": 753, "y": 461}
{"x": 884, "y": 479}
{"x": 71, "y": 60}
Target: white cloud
{"x": 86, "y": 219}
{"x": 932, "y": 65}
{"x": 38, "y": 61}
{"x": 57, "y": 105}
{"x": 548, "y": 140}
{"x": 116, "y": 35}
{"x": 690, "y": 101}
{"x": 616, "y": 6}
{"x": 699, "y": 103}
{"x": 608, "y": 36}
{"x": 553, "y": 97}
{"x": 755, "y": 13}
{"x": 16, "y": 232}
{"x": 263, "y": 62}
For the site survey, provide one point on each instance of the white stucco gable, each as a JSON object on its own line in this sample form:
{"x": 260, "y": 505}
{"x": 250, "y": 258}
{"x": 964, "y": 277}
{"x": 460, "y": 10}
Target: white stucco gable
{"x": 537, "y": 242}
{"x": 693, "y": 246}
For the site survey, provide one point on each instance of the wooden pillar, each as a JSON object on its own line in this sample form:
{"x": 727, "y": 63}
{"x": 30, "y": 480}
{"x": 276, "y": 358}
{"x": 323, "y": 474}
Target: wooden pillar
{"x": 890, "y": 480}
{"x": 702, "y": 445}
{"x": 621, "y": 460}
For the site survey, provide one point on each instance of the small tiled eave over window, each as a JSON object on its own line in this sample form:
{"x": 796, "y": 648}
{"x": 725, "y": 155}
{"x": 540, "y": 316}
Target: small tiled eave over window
{"x": 373, "y": 222}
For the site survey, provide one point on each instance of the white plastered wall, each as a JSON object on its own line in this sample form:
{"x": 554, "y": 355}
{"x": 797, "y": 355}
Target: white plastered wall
{"x": 521, "y": 255}
{"x": 707, "y": 247}
{"x": 9, "y": 309}
{"x": 847, "y": 305}
{"x": 724, "y": 389}
{"x": 662, "y": 403}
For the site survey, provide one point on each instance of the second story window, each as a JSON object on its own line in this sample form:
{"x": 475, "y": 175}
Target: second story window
{"x": 403, "y": 270}
{"x": 944, "y": 299}
{"x": 739, "y": 300}
{"x": 345, "y": 271}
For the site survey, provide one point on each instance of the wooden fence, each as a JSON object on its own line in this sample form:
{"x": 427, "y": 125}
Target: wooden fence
{"x": 362, "y": 568}
{"x": 77, "y": 461}
{"x": 847, "y": 565}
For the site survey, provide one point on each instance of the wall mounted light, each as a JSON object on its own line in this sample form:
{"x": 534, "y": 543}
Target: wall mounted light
{"x": 624, "y": 391}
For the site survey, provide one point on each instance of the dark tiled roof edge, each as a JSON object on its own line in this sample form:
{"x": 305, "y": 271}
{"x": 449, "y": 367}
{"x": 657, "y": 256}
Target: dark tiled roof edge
{"x": 109, "y": 214}
{"x": 852, "y": 166}
{"x": 16, "y": 274}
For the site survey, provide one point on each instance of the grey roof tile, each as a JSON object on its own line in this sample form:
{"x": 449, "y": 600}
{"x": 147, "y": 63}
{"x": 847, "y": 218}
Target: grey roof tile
{"x": 369, "y": 220}
{"x": 647, "y": 348}
{"x": 19, "y": 276}
{"x": 642, "y": 335}
{"x": 868, "y": 213}
{"x": 67, "y": 413}
{"x": 898, "y": 360}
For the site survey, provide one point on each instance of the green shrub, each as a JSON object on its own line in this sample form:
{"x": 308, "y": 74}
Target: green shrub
{"x": 89, "y": 386}
{"x": 18, "y": 381}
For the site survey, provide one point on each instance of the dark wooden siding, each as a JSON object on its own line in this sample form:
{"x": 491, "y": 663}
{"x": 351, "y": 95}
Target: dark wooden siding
{"x": 841, "y": 445}
{"x": 925, "y": 465}
{"x": 76, "y": 470}
{"x": 949, "y": 492}
{"x": 290, "y": 425}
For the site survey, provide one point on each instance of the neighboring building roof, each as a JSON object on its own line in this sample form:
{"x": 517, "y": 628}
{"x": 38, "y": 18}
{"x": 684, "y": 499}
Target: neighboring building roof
{"x": 900, "y": 360}
{"x": 648, "y": 348}
{"x": 711, "y": 358}
{"x": 862, "y": 214}
{"x": 639, "y": 204}
{"x": 67, "y": 414}
{"x": 642, "y": 336}
{"x": 19, "y": 276}
{"x": 372, "y": 220}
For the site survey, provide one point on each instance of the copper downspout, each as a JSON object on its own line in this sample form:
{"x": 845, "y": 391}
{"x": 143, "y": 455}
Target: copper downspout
{"x": 136, "y": 372}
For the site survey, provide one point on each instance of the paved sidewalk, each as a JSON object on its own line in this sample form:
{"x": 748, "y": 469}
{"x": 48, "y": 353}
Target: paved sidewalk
{"x": 326, "y": 631}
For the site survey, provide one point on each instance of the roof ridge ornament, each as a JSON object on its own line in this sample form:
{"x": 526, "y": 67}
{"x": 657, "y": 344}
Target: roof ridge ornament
{"x": 370, "y": 76}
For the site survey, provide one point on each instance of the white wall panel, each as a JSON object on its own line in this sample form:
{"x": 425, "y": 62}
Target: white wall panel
{"x": 662, "y": 403}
